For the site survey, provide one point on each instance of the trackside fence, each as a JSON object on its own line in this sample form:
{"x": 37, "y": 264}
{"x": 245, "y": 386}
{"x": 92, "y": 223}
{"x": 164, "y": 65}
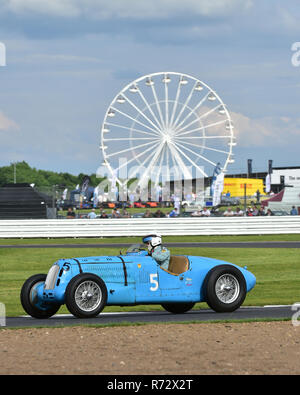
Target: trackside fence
{"x": 53, "y": 228}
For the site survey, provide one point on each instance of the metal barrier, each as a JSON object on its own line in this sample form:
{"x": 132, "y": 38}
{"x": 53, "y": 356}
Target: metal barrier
{"x": 182, "y": 226}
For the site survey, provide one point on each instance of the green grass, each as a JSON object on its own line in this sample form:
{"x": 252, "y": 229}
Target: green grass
{"x": 277, "y": 271}
{"x": 166, "y": 239}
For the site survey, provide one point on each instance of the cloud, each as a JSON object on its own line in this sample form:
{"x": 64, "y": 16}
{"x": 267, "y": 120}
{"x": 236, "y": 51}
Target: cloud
{"x": 102, "y": 9}
{"x": 266, "y": 131}
{"x": 57, "y": 59}
{"x": 46, "y": 7}
{"x": 160, "y": 22}
{"x": 7, "y": 124}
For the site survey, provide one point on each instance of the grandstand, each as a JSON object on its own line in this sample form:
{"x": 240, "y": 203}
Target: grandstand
{"x": 21, "y": 201}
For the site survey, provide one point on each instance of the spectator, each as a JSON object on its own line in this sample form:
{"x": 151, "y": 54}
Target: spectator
{"x": 70, "y": 213}
{"x": 92, "y": 214}
{"x": 177, "y": 203}
{"x": 132, "y": 199}
{"x": 125, "y": 213}
{"x": 261, "y": 211}
{"x": 116, "y": 213}
{"x": 249, "y": 212}
{"x": 103, "y": 215}
{"x": 205, "y": 212}
{"x": 255, "y": 211}
{"x": 197, "y": 213}
{"x": 257, "y": 196}
{"x": 294, "y": 211}
{"x": 159, "y": 214}
{"x": 148, "y": 214}
{"x": 174, "y": 213}
{"x": 239, "y": 212}
{"x": 216, "y": 211}
{"x": 228, "y": 212}
{"x": 269, "y": 212}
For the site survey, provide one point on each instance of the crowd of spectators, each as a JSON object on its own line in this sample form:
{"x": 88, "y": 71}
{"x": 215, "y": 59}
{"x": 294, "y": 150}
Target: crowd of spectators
{"x": 250, "y": 211}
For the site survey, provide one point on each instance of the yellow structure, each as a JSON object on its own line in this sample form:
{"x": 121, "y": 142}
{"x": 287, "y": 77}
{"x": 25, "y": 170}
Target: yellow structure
{"x": 236, "y": 186}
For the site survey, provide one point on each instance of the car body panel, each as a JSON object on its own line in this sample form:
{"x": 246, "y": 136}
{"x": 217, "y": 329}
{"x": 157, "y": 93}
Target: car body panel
{"x": 136, "y": 278}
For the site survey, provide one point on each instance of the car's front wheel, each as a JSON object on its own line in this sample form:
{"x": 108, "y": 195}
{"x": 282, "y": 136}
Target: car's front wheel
{"x": 86, "y": 295}
{"x": 225, "y": 288}
{"x": 29, "y": 298}
{"x": 178, "y": 308}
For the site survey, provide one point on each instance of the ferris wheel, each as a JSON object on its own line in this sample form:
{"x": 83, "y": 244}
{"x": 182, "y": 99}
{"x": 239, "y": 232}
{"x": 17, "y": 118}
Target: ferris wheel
{"x": 165, "y": 125}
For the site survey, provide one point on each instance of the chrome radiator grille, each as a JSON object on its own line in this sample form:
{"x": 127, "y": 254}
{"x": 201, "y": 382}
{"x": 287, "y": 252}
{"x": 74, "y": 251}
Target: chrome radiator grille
{"x": 51, "y": 277}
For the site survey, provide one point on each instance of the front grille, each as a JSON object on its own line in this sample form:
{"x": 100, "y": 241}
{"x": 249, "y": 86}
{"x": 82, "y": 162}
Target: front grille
{"x": 51, "y": 277}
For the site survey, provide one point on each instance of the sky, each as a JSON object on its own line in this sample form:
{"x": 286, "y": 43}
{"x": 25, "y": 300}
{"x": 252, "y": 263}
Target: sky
{"x": 67, "y": 59}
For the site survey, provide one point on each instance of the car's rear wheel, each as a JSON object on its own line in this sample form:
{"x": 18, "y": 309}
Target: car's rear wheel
{"x": 178, "y": 308}
{"x": 225, "y": 288}
{"x": 29, "y": 298}
{"x": 86, "y": 295}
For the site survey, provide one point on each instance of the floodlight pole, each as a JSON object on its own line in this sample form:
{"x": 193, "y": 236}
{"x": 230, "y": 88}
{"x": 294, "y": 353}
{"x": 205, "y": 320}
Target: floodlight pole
{"x": 245, "y": 196}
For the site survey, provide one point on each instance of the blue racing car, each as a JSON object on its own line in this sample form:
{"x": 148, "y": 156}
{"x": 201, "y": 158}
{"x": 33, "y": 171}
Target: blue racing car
{"x": 87, "y": 285}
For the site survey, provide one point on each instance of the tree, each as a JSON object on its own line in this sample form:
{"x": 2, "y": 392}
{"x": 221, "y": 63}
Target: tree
{"x": 42, "y": 178}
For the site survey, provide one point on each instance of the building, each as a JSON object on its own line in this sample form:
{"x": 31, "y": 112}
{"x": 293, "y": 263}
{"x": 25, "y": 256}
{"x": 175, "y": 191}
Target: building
{"x": 280, "y": 177}
{"x": 286, "y": 176}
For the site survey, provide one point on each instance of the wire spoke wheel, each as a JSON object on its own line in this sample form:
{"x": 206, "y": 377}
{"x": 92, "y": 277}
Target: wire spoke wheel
{"x": 166, "y": 125}
{"x": 88, "y": 296}
{"x": 227, "y": 288}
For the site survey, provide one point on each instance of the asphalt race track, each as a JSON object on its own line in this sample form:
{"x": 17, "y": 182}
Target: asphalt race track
{"x": 242, "y": 313}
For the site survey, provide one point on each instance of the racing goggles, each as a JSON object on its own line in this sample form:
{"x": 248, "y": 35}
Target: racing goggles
{"x": 147, "y": 239}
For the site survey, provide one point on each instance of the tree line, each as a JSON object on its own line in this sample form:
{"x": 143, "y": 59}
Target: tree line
{"x": 41, "y": 178}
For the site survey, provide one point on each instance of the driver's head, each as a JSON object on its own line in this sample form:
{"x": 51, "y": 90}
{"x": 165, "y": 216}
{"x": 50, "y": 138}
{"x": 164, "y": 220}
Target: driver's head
{"x": 152, "y": 240}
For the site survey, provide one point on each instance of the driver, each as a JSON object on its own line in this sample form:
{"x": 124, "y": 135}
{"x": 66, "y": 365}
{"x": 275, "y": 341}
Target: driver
{"x": 155, "y": 249}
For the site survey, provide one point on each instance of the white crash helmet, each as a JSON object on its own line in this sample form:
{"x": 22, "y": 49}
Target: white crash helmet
{"x": 153, "y": 239}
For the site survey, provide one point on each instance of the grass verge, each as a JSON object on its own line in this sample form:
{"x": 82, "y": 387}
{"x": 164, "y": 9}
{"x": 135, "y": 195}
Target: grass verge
{"x": 166, "y": 239}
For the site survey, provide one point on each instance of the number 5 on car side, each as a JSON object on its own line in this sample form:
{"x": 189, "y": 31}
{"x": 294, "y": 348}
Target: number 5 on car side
{"x": 154, "y": 282}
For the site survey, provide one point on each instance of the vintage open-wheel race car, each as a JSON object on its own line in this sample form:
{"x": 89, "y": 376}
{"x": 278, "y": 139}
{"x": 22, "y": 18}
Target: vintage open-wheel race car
{"x": 86, "y": 285}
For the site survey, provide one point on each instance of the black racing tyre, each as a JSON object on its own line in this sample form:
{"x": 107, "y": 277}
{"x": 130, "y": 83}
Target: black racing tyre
{"x": 225, "y": 288}
{"x": 86, "y": 295}
{"x": 30, "y": 302}
{"x": 178, "y": 308}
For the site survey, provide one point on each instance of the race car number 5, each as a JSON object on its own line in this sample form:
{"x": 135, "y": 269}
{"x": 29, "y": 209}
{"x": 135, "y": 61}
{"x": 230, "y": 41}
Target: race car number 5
{"x": 153, "y": 281}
